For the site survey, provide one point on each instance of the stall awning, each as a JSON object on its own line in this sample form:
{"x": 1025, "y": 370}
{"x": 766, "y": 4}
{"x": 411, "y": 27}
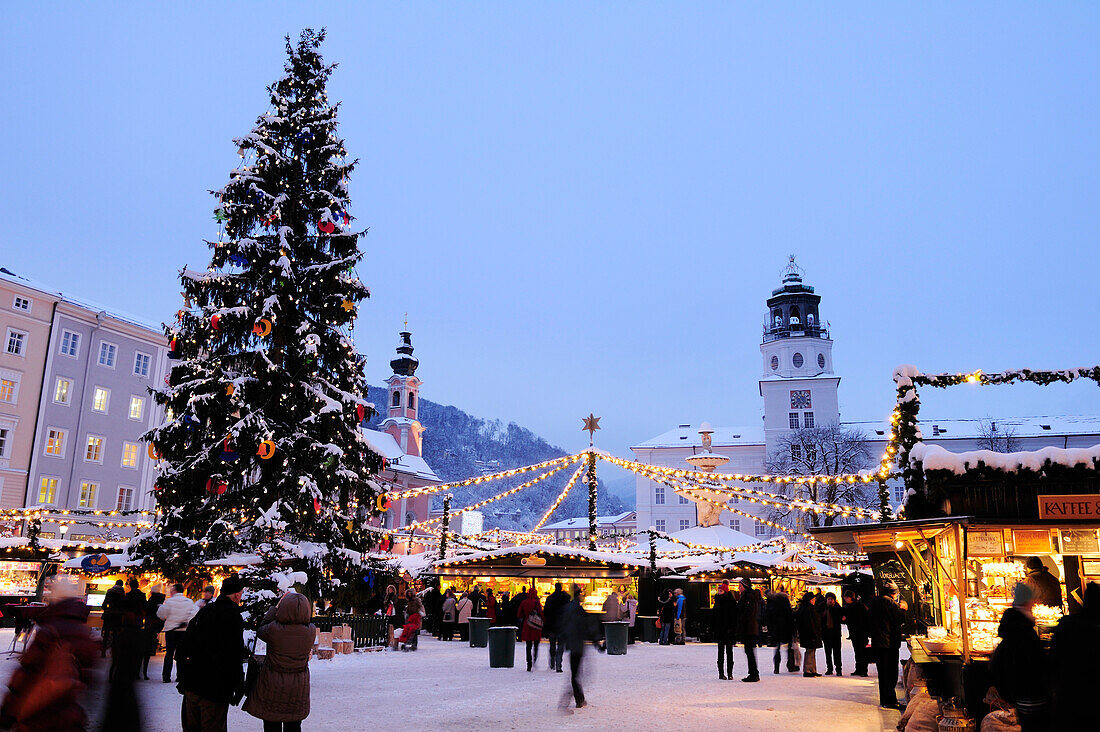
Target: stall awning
{"x": 540, "y": 561}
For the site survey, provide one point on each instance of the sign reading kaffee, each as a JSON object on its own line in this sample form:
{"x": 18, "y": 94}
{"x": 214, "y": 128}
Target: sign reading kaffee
{"x": 1084, "y": 506}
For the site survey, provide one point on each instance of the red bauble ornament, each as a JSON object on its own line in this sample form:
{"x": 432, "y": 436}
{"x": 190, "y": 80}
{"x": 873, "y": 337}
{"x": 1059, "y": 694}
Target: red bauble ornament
{"x": 361, "y": 412}
{"x": 386, "y": 544}
{"x": 326, "y": 227}
{"x": 215, "y": 487}
{"x": 316, "y": 506}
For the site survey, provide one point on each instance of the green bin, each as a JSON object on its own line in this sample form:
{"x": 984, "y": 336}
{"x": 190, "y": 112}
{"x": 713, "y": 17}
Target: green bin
{"x": 502, "y": 647}
{"x": 615, "y": 634}
{"x": 479, "y": 632}
{"x": 647, "y": 628}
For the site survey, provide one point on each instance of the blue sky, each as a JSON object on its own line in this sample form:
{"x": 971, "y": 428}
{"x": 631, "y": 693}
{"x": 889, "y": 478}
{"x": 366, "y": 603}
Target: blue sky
{"x": 583, "y": 206}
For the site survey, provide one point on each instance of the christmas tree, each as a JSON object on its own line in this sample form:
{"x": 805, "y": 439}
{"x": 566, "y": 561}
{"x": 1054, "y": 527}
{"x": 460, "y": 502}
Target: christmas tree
{"x": 260, "y": 450}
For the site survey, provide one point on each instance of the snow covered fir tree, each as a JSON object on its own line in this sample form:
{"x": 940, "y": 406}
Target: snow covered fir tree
{"x": 260, "y": 450}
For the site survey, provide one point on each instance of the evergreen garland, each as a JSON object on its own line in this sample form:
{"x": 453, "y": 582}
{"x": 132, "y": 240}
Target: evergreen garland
{"x": 592, "y": 488}
{"x": 446, "y": 526}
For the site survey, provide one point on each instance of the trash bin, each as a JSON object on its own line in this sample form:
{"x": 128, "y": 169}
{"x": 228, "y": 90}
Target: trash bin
{"x": 502, "y": 646}
{"x": 615, "y": 633}
{"x": 479, "y": 632}
{"x": 647, "y": 628}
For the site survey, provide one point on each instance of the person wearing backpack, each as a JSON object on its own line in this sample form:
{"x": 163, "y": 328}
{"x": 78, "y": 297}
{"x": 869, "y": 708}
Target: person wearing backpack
{"x": 530, "y": 620}
{"x": 210, "y": 661}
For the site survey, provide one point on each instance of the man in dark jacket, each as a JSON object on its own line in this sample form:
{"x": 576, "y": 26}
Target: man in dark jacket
{"x": 576, "y": 631}
{"x": 112, "y": 615}
{"x": 748, "y": 625}
{"x": 885, "y": 619}
{"x": 1074, "y": 650}
{"x": 552, "y": 616}
{"x": 831, "y": 619}
{"x": 724, "y": 624}
{"x": 1018, "y": 666}
{"x": 780, "y": 619}
{"x": 1043, "y": 584}
{"x": 211, "y": 674}
{"x": 478, "y": 598}
{"x": 855, "y": 617}
{"x": 433, "y": 604}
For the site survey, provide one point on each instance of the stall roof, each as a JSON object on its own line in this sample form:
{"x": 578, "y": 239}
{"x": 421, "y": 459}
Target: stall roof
{"x": 541, "y": 560}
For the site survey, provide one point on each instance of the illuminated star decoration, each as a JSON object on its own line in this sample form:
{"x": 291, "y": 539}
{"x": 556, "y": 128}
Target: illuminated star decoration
{"x": 591, "y": 424}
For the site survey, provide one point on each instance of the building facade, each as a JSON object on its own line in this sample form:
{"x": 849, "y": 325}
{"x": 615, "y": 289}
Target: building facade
{"x": 575, "y": 530}
{"x": 799, "y": 389}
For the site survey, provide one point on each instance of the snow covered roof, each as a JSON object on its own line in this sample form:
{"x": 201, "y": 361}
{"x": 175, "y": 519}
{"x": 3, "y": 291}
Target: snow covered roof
{"x": 963, "y": 429}
{"x": 688, "y": 436}
{"x": 234, "y": 560}
{"x": 562, "y": 551}
{"x": 934, "y": 457}
{"x": 383, "y": 444}
{"x": 8, "y": 275}
{"x": 709, "y": 536}
{"x": 582, "y": 523}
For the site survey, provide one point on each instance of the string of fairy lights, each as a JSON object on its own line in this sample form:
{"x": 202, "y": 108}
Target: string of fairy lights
{"x": 557, "y": 502}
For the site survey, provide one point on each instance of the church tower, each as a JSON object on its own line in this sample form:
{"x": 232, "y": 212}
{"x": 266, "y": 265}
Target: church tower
{"x": 404, "y": 399}
{"x": 798, "y": 385}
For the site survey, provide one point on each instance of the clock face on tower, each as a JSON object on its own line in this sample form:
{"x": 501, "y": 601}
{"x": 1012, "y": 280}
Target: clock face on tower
{"x": 800, "y": 399}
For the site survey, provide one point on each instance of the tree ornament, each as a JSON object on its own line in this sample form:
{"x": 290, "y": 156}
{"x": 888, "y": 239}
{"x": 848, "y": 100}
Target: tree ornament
{"x": 317, "y": 505}
{"x": 230, "y": 389}
{"x": 262, "y": 327}
{"x": 173, "y": 350}
{"x": 386, "y": 544}
{"x": 383, "y": 503}
{"x": 238, "y": 259}
{"x": 152, "y": 450}
{"x": 214, "y": 320}
{"x": 229, "y": 455}
{"x": 266, "y": 450}
{"x": 180, "y": 314}
{"x": 360, "y": 412}
{"x": 216, "y": 487}
{"x": 219, "y": 215}
{"x": 347, "y": 305}
{"x": 326, "y": 227}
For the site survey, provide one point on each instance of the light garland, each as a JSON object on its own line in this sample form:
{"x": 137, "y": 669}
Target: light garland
{"x": 425, "y": 490}
{"x": 561, "y": 497}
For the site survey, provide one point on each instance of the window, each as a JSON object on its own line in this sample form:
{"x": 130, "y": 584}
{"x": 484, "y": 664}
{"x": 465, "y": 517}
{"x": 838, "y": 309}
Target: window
{"x": 735, "y": 524}
{"x": 87, "y": 494}
{"x": 17, "y": 342}
{"x": 796, "y": 452}
{"x": 683, "y": 500}
{"x": 107, "y": 354}
{"x": 125, "y": 498}
{"x": 396, "y": 401}
{"x": 792, "y": 420}
{"x": 61, "y": 390}
{"x": 685, "y": 524}
{"x": 137, "y": 407}
{"x": 821, "y": 360}
{"x": 762, "y": 529}
{"x": 797, "y": 360}
{"x": 659, "y": 495}
{"x": 94, "y": 451}
{"x": 808, "y": 420}
{"x": 800, "y": 399}
{"x": 899, "y": 493}
{"x": 412, "y": 400}
{"x": 129, "y": 455}
{"x": 21, "y": 303}
{"x": 100, "y": 398}
{"x": 5, "y": 441}
{"x": 47, "y": 490}
{"x": 70, "y": 343}
{"x": 775, "y": 363}
{"x": 659, "y": 524}
{"x": 141, "y": 364}
{"x": 7, "y": 390}
{"x": 55, "y": 442}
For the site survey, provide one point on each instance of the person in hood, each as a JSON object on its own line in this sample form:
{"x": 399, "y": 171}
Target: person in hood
{"x": 1018, "y": 666}
{"x": 552, "y": 616}
{"x": 176, "y": 613}
{"x": 414, "y": 613}
{"x": 724, "y": 626}
{"x": 780, "y": 619}
{"x": 44, "y": 691}
{"x": 531, "y": 623}
{"x": 808, "y": 620}
{"x": 112, "y": 615}
{"x": 1074, "y": 650}
{"x": 748, "y": 625}
{"x": 210, "y": 663}
{"x": 885, "y": 619}
{"x": 1044, "y": 585}
{"x": 280, "y": 696}
{"x": 679, "y": 631}
{"x": 831, "y": 618}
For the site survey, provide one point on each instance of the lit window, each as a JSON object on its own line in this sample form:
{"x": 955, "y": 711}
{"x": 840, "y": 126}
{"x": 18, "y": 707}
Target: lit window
{"x": 21, "y": 303}
{"x": 7, "y": 390}
{"x": 125, "y": 498}
{"x": 808, "y": 420}
{"x": 659, "y": 495}
{"x": 107, "y": 354}
{"x": 659, "y": 524}
{"x": 141, "y": 365}
{"x": 100, "y": 398}
{"x": 47, "y": 490}
{"x": 17, "y": 342}
{"x": 129, "y": 455}
{"x": 61, "y": 390}
{"x": 137, "y": 407}
{"x": 792, "y": 420}
{"x": 685, "y": 524}
{"x": 94, "y": 451}
{"x": 55, "y": 442}
{"x": 87, "y": 494}
{"x": 70, "y": 343}
{"x": 5, "y": 442}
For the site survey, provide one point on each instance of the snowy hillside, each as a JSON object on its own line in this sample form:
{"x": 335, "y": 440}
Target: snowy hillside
{"x": 458, "y": 446}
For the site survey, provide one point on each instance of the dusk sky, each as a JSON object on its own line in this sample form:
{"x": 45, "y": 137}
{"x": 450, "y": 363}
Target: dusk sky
{"x": 583, "y": 207}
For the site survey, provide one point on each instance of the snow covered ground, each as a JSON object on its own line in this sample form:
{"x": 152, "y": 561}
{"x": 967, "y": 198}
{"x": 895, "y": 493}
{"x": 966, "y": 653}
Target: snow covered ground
{"x": 651, "y": 688}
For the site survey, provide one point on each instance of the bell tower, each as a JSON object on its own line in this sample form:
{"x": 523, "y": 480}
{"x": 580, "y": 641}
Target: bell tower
{"x": 404, "y": 398}
{"x": 798, "y": 386}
